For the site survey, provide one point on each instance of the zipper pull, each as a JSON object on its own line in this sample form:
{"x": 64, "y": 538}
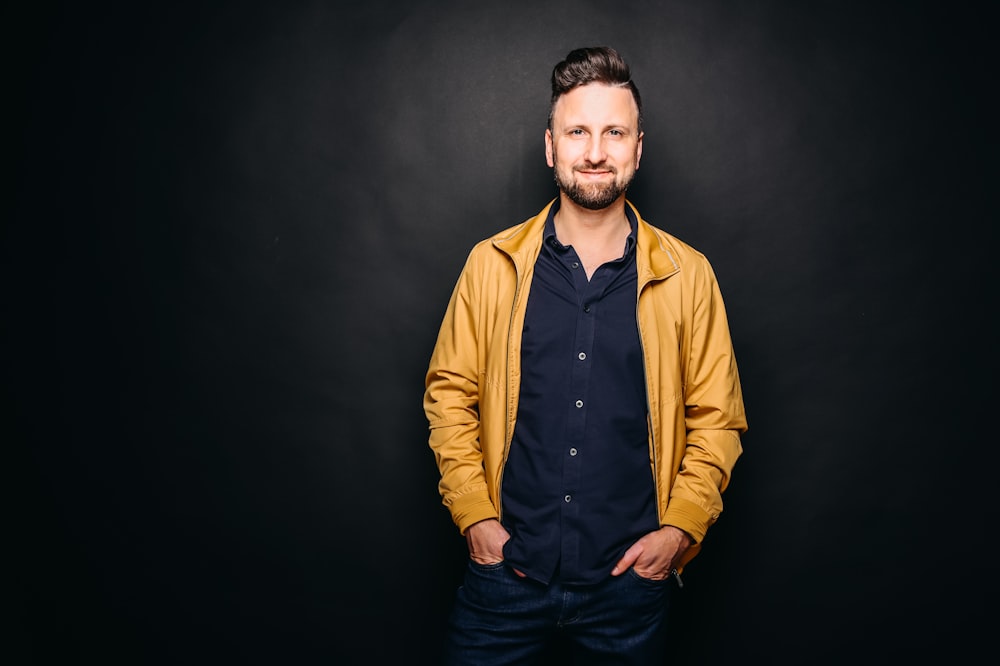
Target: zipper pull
{"x": 677, "y": 577}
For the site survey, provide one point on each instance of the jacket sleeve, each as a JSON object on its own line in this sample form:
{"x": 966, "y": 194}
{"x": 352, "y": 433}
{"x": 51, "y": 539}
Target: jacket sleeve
{"x": 451, "y": 404}
{"x": 714, "y": 414}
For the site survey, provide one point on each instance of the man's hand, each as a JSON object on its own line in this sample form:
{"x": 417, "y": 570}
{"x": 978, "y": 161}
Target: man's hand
{"x": 654, "y": 555}
{"x": 485, "y": 540}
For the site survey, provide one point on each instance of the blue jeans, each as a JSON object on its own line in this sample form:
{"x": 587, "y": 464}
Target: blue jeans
{"x": 501, "y": 618}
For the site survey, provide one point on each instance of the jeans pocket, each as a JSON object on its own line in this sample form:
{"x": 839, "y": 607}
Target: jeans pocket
{"x": 489, "y": 585}
{"x": 494, "y": 566}
{"x": 649, "y": 582}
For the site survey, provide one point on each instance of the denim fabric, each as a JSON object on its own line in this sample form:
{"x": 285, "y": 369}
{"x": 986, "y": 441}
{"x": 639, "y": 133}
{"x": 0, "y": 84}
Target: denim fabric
{"x": 500, "y": 618}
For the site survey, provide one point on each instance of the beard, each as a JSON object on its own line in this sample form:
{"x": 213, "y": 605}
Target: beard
{"x": 592, "y": 196}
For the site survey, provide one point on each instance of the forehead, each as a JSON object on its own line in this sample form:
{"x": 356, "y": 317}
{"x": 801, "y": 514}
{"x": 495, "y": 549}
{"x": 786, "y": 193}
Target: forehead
{"x": 596, "y": 104}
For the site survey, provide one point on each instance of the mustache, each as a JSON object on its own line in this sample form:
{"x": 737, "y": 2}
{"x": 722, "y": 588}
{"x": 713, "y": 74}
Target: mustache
{"x": 587, "y": 166}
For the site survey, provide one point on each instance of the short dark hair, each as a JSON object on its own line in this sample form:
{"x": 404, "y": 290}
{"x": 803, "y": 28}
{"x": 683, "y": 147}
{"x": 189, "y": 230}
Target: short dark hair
{"x": 594, "y": 64}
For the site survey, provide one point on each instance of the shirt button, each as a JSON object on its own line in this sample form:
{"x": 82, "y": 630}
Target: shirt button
{"x": 579, "y": 403}
{"x": 575, "y": 264}
{"x": 572, "y": 452}
{"x": 568, "y": 498}
{"x": 582, "y": 356}
{"x": 586, "y": 308}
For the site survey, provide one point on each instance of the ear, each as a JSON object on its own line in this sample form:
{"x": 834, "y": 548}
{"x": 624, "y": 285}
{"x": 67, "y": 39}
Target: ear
{"x": 548, "y": 148}
{"x": 638, "y": 151}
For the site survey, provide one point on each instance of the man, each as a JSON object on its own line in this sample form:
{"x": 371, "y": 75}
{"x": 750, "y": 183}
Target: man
{"x": 584, "y": 404}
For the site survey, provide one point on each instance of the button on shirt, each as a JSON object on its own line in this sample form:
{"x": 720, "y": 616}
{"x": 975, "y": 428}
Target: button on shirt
{"x": 577, "y": 487}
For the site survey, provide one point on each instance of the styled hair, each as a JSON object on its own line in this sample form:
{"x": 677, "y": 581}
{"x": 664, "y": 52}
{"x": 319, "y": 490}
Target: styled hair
{"x": 595, "y": 64}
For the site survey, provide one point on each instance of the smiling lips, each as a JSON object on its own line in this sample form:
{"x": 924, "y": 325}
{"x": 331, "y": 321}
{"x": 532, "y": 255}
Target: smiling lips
{"x": 592, "y": 171}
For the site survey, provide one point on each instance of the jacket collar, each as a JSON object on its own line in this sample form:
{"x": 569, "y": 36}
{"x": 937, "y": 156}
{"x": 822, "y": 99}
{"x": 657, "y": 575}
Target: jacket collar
{"x": 655, "y": 258}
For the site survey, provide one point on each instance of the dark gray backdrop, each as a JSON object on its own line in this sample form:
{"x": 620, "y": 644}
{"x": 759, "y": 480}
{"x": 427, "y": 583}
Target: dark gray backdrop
{"x": 232, "y": 230}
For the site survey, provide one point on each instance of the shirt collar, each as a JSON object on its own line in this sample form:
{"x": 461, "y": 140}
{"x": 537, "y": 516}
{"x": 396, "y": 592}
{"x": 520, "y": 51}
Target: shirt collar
{"x": 549, "y": 234}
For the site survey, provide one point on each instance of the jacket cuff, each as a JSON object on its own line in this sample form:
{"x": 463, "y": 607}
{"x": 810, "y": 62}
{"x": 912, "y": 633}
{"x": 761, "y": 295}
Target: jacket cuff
{"x": 689, "y": 517}
{"x": 470, "y": 509}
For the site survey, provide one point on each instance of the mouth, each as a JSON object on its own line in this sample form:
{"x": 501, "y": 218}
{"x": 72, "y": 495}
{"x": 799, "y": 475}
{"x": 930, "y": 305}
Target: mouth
{"x": 592, "y": 173}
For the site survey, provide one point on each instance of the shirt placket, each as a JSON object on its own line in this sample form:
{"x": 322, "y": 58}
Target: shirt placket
{"x": 588, "y": 307}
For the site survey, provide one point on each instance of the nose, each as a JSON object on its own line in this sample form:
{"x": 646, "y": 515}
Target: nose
{"x": 595, "y": 150}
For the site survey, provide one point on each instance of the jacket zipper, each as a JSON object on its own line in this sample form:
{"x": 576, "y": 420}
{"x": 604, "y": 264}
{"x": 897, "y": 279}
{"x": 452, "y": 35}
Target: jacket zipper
{"x": 508, "y": 432}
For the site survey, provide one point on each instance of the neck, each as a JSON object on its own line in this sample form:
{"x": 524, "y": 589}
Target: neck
{"x": 575, "y": 224}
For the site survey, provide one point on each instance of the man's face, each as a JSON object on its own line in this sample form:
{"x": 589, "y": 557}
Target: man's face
{"x": 594, "y": 144}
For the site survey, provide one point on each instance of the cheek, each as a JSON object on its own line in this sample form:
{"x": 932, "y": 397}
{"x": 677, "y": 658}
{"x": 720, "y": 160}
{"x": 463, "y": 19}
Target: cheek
{"x": 629, "y": 157}
{"x": 571, "y": 155}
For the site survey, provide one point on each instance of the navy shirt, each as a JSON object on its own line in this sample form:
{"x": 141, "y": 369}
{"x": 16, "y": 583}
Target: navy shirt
{"x": 578, "y": 487}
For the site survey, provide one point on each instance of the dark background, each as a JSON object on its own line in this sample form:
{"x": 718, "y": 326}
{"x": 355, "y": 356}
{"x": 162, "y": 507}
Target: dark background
{"x": 231, "y": 231}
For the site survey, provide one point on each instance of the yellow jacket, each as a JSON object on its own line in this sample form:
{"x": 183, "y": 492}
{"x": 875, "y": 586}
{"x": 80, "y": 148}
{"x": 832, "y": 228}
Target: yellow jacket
{"x": 693, "y": 393}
